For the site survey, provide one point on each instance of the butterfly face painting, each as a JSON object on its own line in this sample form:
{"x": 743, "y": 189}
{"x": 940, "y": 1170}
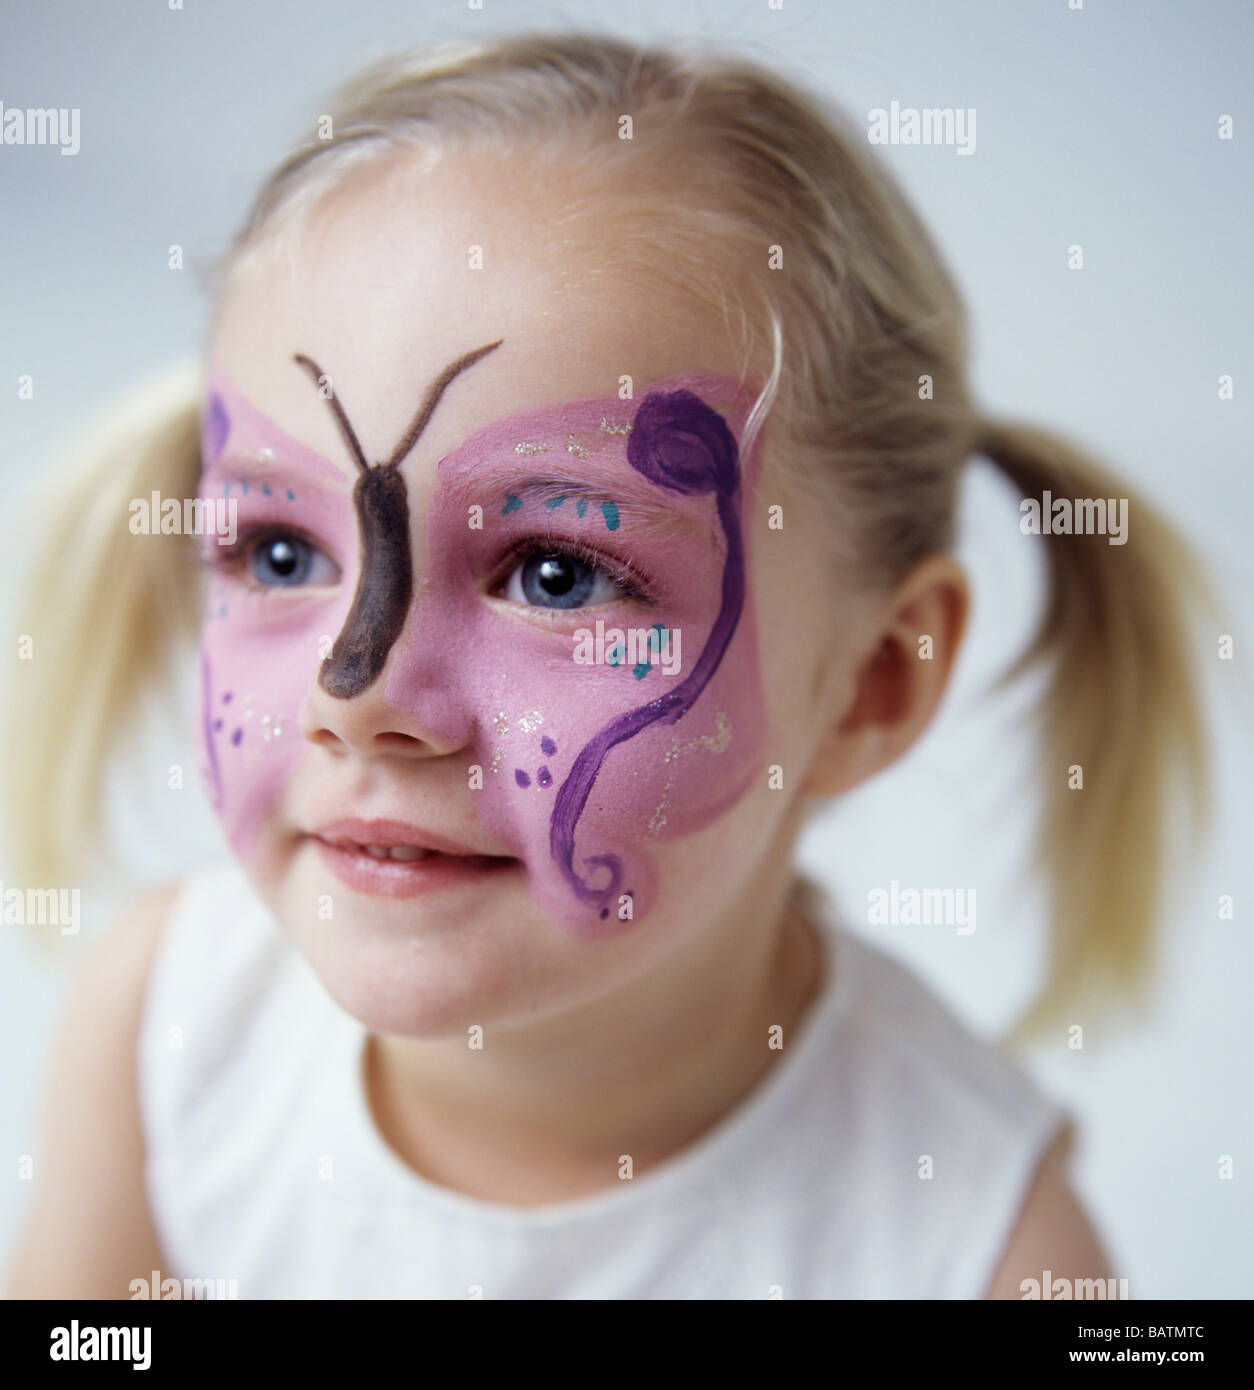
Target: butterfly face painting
{"x": 471, "y": 624}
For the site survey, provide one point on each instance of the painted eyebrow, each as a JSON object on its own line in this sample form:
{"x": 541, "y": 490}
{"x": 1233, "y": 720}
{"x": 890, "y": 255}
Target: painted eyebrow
{"x": 275, "y": 473}
{"x": 634, "y": 506}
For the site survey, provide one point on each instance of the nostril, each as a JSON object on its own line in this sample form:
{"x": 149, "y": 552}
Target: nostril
{"x": 393, "y": 742}
{"x": 324, "y": 738}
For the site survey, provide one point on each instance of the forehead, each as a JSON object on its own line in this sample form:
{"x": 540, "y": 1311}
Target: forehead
{"x": 401, "y": 270}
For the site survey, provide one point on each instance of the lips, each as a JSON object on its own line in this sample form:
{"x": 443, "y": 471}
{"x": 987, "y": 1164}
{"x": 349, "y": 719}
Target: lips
{"x": 391, "y": 859}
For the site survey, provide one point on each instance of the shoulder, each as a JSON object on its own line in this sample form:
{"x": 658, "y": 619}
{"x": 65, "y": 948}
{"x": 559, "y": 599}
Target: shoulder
{"x": 122, "y": 955}
{"x": 219, "y": 972}
{"x": 1053, "y": 1232}
{"x": 105, "y": 998}
{"x": 956, "y": 1126}
{"x": 914, "y": 1034}
{"x": 87, "y": 1229}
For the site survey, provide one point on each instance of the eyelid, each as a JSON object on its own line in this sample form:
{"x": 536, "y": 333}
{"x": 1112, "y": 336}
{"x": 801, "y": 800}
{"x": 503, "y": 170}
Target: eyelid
{"x": 634, "y": 585}
{"x": 252, "y": 536}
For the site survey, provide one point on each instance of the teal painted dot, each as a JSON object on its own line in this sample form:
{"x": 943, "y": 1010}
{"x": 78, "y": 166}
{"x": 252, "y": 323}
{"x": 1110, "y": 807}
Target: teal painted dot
{"x": 610, "y": 512}
{"x": 615, "y": 655}
{"x": 265, "y": 489}
{"x": 581, "y": 505}
{"x": 291, "y": 496}
{"x": 640, "y": 670}
{"x": 554, "y": 502}
{"x": 244, "y": 485}
{"x": 658, "y": 639}
{"x": 512, "y": 504}
{"x": 226, "y": 491}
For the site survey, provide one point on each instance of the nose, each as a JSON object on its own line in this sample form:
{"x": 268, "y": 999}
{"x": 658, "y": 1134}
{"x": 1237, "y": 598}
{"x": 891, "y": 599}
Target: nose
{"x": 371, "y": 725}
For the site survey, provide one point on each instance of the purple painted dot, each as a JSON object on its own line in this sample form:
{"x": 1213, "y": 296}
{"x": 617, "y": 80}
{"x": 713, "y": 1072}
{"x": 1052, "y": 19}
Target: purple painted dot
{"x": 227, "y": 697}
{"x": 237, "y": 737}
{"x": 544, "y": 777}
{"x": 605, "y": 912}
{"x": 521, "y": 777}
{"x": 217, "y": 726}
{"x": 547, "y": 746}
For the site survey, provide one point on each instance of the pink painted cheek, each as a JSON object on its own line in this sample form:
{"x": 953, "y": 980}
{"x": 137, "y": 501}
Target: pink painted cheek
{"x": 261, "y": 648}
{"x": 261, "y": 652}
{"x": 253, "y": 683}
{"x": 667, "y": 781}
{"x": 512, "y": 693}
{"x": 580, "y": 777}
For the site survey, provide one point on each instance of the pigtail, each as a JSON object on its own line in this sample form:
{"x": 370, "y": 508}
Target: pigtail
{"x": 99, "y": 622}
{"x": 1121, "y": 705}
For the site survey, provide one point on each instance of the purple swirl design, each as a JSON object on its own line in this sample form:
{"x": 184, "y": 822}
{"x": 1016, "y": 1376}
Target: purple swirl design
{"x": 679, "y": 443}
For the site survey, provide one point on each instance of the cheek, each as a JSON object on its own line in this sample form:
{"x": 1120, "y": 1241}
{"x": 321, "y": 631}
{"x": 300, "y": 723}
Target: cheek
{"x": 253, "y": 680}
{"x": 526, "y": 713}
{"x": 250, "y": 695}
{"x": 260, "y": 653}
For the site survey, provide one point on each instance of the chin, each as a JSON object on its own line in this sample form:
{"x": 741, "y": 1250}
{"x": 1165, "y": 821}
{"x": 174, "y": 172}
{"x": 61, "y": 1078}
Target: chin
{"x": 424, "y": 967}
{"x": 431, "y": 965}
{"x": 406, "y": 993}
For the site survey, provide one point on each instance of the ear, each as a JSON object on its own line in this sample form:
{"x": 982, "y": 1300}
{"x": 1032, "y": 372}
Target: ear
{"x": 899, "y": 676}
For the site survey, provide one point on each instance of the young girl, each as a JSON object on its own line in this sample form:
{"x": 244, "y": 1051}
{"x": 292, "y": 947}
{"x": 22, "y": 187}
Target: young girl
{"x": 576, "y": 456}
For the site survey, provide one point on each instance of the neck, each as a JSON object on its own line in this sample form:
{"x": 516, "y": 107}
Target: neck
{"x": 536, "y": 1117}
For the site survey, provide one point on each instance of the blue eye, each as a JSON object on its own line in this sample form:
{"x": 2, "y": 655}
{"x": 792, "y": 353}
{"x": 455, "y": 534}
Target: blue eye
{"x": 557, "y": 580}
{"x": 291, "y": 561}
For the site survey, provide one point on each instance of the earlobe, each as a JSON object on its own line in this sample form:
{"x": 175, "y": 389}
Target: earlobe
{"x": 897, "y": 683}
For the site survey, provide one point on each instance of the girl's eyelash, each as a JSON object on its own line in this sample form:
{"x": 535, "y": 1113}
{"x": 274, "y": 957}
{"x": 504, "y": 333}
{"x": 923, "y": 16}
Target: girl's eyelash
{"x": 214, "y": 556}
{"x": 633, "y": 584}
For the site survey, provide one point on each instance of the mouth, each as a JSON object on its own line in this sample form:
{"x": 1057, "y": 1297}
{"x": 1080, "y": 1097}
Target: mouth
{"x": 390, "y": 859}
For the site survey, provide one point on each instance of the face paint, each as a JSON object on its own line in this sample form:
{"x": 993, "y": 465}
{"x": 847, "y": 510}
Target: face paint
{"x": 575, "y": 769}
{"x": 385, "y": 580}
{"x": 582, "y": 768}
{"x": 677, "y": 442}
{"x": 260, "y": 649}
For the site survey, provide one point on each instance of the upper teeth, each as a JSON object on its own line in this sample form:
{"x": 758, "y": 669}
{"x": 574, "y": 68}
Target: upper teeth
{"x": 396, "y": 851}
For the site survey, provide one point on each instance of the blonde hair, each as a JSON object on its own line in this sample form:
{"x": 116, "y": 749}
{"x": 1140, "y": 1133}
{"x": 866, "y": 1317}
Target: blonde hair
{"x": 861, "y": 311}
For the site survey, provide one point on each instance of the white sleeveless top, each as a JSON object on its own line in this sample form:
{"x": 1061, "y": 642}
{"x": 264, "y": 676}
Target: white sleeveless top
{"x": 264, "y": 1164}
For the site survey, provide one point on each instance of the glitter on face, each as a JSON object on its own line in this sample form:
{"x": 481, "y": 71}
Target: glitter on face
{"x": 258, "y": 652}
{"x": 717, "y": 742}
{"x": 461, "y": 664}
{"x": 462, "y": 661}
